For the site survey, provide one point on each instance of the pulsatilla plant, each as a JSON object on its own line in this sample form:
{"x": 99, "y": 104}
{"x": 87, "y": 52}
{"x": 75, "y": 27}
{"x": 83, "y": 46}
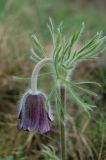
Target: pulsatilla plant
{"x": 35, "y": 109}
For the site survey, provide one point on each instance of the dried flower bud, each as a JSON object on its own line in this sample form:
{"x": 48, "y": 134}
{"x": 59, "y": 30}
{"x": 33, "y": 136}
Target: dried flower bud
{"x": 32, "y": 113}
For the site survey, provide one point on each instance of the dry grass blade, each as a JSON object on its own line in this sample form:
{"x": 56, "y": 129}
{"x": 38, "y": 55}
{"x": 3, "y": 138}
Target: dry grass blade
{"x": 77, "y": 136}
{"x": 87, "y": 146}
{"x": 102, "y": 145}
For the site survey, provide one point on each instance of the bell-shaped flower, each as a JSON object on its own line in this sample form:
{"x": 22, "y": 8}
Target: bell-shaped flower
{"x": 33, "y": 114}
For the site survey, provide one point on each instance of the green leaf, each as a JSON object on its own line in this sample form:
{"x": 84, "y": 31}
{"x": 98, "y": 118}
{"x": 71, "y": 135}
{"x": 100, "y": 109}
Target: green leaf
{"x": 85, "y": 90}
{"x": 49, "y": 153}
{"x": 38, "y": 46}
{"x": 91, "y": 49}
{"x": 34, "y": 55}
{"x": 22, "y": 78}
{"x": 80, "y": 101}
{"x": 70, "y": 42}
{"x": 29, "y": 78}
{"x": 90, "y": 44}
{"x": 88, "y": 82}
{"x": 59, "y": 34}
{"x": 68, "y": 55}
{"x": 52, "y": 31}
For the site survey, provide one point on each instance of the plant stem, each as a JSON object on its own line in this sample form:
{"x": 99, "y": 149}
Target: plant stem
{"x": 62, "y": 124}
{"x": 36, "y": 71}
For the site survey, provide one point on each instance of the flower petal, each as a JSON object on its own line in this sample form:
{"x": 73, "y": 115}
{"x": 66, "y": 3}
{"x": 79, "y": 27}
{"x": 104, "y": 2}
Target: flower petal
{"x": 44, "y": 120}
{"x": 32, "y": 113}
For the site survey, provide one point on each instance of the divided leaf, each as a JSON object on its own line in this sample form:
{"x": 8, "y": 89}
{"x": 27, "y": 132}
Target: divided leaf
{"x": 38, "y": 46}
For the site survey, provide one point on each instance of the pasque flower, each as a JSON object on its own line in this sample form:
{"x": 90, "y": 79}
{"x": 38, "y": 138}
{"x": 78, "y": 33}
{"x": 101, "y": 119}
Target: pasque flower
{"x": 33, "y": 114}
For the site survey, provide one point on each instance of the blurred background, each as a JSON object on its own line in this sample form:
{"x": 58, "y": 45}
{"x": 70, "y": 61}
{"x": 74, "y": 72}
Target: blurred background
{"x": 19, "y": 19}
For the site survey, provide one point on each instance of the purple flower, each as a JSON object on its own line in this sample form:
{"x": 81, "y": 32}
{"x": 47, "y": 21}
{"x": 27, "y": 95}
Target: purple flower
{"x": 32, "y": 113}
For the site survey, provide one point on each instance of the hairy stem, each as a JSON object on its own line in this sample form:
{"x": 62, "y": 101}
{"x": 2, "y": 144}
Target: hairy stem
{"x": 62, "y": 124}
{"x": 36, "y": 71}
